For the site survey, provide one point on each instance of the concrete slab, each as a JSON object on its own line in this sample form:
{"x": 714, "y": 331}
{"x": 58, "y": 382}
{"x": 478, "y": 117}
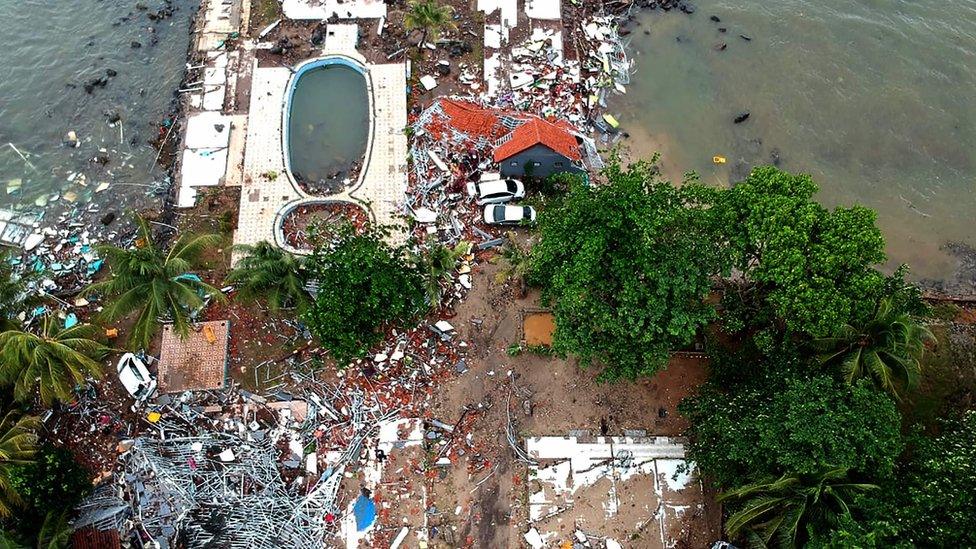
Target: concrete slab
{"x": 234, "y": 174}
{"x": 550, "y": 10}
{"x": 341, "y": 37}
{"x": 343, "y": 9}
{"x": 207, "y": 130}
{"x": 612, "y": 487}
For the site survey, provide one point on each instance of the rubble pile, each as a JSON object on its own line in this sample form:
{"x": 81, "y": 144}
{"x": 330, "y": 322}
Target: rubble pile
{"x": 544, "y": 76}
{"x": 238, "y": 467}
{"x": 231, "y": 467}
{"x": 306, "y": 224}
{"x": 453, "y": 142}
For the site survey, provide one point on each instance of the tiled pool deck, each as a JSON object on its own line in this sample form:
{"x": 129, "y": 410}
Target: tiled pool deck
{"x": 267, "y": 190}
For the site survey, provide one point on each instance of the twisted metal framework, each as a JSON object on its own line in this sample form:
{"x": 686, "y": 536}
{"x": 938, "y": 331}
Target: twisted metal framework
{"x": 184, "y": 494}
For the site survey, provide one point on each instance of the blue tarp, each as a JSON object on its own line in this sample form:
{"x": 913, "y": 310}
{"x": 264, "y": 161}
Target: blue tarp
{"x": 365, "y": 512}
{"x": 70, "y": 321}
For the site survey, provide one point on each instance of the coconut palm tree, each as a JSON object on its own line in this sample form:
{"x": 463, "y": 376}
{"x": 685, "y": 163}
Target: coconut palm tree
{"x": 17, "y": 446}
{"x": 429, "y": 16}
{"x": 52, "y": 361}
{"x": 779, "y": 512}
{"x": 270, "y": 274}
{"x": 155, "y": 283}
{"x": 8, "y": 540}
{"x": 55, "y": 532}
{"x": 438, "y": 265}
{"x": 13, "y": 293}
{"x": 516, "y": 264}
{"x": 887, "y": 349}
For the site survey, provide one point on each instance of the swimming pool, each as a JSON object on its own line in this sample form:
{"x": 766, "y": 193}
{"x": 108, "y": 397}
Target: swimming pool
{"x": 326, "y": 125}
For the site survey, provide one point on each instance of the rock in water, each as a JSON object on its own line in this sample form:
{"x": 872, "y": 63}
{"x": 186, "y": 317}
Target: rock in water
{"x": 715, "y": 18}
{"x": 741, "y": 117}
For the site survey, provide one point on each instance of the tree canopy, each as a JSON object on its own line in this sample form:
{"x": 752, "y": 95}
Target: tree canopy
{"x": 49, "y": 359}
{"x": 814, "y": 267}
{"x": 781, "y": 512}
{"x": 155, "y": 283}
{"x": 626, "y": 267}
{"x": 268, "y": 273}
{"x": 363, "y": 285}
{"x": 793, "y": 427}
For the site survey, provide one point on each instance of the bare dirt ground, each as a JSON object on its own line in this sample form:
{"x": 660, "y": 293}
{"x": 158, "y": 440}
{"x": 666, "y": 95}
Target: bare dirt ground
{"x": 480, "y": 499}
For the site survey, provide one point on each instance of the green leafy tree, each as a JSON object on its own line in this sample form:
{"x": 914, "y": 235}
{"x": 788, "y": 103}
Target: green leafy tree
{"x": 813, "y": 268}
{"x": 52, "y": 481}
{"x": 51, "y": 486}
{"x": 270, "y": 274}
{"x": 52, "y": 361}
{"x": 791, "y": 427}
{"x": 17, "y": 447}
{"x": 430, "y": 17}
{"x": 933, "y": 500}
{"x": 9, "y": 540}
{"x": 887, "y": 349}
{"x": 626, "y": 267}
{"x": 155, "y": 283}
{"x": 364, "y": 285}
{"x": 781, "y": 512}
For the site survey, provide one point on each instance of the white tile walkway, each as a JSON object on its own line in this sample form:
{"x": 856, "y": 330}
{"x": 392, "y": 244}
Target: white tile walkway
{"x": 267, "y": 189}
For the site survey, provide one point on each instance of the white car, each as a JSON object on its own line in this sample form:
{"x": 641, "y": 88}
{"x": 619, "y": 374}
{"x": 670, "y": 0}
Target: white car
{"x": 496, "y": 191}
{"x": 135, "y": 377}
{"x": 505, "y": 214}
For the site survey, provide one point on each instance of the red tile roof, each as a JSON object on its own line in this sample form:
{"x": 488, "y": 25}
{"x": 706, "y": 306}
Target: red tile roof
{"x": 539, "y": 132}
{"x": 90, "y": 538}
{"x": 472, "y": 119}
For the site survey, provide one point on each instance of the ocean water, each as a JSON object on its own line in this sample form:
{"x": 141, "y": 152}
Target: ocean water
{"x": 48, "y": 51}
{"x": 876, "y": 99}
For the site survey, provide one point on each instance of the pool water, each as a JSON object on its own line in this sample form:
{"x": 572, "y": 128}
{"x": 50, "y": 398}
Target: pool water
{"x": 328, "y": 126}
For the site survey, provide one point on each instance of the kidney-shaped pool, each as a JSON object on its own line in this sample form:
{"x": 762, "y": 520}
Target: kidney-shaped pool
{"x": 328, "y": 124}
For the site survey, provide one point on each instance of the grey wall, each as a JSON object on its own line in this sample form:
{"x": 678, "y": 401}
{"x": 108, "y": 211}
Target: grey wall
{"x": 547, "y": 158}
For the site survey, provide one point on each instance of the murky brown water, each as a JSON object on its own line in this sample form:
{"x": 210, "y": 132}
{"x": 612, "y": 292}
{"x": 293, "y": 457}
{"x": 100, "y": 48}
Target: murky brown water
{"x": 877, "y": 100}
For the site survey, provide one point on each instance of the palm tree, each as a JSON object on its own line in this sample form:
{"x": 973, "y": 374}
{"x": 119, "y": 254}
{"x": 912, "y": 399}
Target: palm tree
{"x": 438, "y": 266}
{"x": 271, "y": 274}
{"x": 779, "y": 512}
{"x": 155, "y": 283}
{"x": 429, "y": 16}
{"x": 517, "y": 264}
{"x": 13, "y": 293}
{"x": 55, "y": 532}
{"x": 17, "y": 446}
{"x": 9, "y": 541}
{"x": 888, "y": 349}
{"x": 55, "y": 360}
